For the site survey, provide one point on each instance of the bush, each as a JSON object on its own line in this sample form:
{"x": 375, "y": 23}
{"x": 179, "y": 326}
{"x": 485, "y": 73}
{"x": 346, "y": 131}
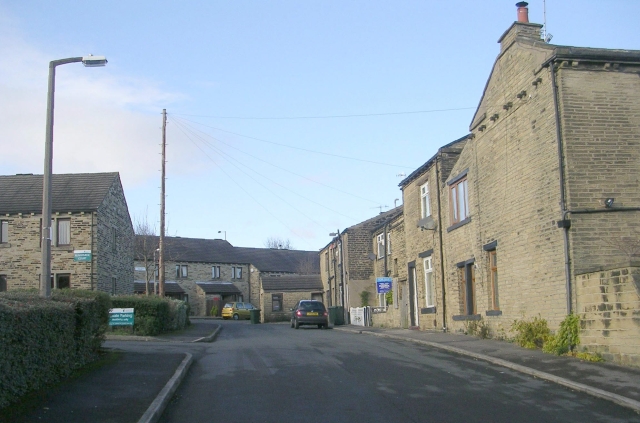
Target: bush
{"x": 364, "y": 298}
{"x": 154, "y": 315}
{"x": 567, "y": 338}
{"x": 531, "y": 334}
{"x": 43, "y": 340}
{"x": 151, "y": 314}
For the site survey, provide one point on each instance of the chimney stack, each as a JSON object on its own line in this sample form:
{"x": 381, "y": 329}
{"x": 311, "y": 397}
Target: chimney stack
{"x": 523, "y": 12}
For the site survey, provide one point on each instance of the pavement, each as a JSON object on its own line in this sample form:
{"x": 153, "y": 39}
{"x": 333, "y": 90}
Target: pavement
{"x": 114, "y": 392}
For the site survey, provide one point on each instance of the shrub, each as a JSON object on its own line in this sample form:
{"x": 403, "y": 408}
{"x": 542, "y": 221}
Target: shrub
{"x": 364, "y": 298}
{"x": 178, "y": 315}
{"x": 151, "y": 314}
{"x": 389, "y": 297}
{"x": 44, "y": 340}
{"x": 478, "y": 328}
{"x": 567, "y": 337}
{"x": 531, "y": 333}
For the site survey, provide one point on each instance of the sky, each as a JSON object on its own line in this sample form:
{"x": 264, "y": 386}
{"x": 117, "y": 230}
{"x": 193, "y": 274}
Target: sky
{"x": 287, "y": 119}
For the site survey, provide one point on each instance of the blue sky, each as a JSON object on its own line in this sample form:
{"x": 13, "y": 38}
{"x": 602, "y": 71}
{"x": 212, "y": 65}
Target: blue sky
{"x": 286, "y": 119}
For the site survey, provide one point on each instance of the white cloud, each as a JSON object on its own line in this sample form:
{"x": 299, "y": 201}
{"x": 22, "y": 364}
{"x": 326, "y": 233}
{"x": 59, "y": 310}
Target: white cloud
{"x": 103, "y": 122}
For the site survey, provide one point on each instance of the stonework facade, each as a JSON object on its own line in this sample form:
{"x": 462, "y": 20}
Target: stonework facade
{"x": 104, "y": 231}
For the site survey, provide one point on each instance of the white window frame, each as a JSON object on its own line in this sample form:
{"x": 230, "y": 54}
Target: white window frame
{"x": 429, "y": 289}
{"x": 236, "y": 272}
{"x": 63, "y": 236}
{"x": 4, "y": 231}
{"x": 459, "y": 201}
{"x": 380, "y": 241}
{"x": 215, "y": 272}
{"x": 182, "y": 271}
{"x": 425, "y": 206}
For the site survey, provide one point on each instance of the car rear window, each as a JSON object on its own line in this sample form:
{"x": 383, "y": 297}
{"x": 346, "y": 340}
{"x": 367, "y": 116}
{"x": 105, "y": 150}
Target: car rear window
{"x": 228, "y": 305}
{"x": 312, "y": 306}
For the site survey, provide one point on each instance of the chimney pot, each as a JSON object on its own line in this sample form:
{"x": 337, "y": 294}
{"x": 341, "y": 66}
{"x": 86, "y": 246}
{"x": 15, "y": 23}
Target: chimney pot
{"x": 523, "y": 12}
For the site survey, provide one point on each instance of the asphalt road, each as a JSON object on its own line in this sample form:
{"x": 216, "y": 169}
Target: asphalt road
{"x": 272, "y": 373}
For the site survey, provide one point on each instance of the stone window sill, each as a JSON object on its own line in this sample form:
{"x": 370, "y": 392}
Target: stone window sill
{"x": 428, "y": 310}
{"x": 457, "y": 225}
{"x": 466, "y": 317}
{"x": 493, "y": 312}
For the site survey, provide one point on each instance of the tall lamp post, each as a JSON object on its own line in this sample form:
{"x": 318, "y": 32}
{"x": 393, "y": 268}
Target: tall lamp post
{"x": 45, "y": 272}
{"x": 225, "y": 234}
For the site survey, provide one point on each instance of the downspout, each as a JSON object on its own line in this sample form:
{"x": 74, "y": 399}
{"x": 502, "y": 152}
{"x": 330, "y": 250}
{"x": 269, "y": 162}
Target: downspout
{"x": 386, "y": 247}
{"x": 563, "y": 205}
{"x": 93, "y": 253}
{"x": 444, "y": 297}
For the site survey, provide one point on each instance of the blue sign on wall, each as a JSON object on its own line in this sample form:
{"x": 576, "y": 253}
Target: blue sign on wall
{"x": 383, "y": 285}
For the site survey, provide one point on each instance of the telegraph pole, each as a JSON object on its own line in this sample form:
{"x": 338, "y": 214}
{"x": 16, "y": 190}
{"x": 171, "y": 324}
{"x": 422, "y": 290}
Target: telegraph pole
{"x": 162, "y": 197}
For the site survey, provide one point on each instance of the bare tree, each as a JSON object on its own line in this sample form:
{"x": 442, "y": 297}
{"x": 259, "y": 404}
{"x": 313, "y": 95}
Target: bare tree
{"x": 146, "y": 243}
{"x": 278, "y": 243}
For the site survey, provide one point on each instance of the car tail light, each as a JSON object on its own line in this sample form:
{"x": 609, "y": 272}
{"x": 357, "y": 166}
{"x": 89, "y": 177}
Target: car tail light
{"x": 325, "y": 314}
{"x": 298, "y": 313}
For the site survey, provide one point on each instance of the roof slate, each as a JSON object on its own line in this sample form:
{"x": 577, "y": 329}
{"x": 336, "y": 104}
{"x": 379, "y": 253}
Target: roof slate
{"x": 197, "y": 250}
{"x": 292, "y": 283}
{"x": 70, "y": 192}
{"x": 219, "y": 288}
{"x": 172, "y": 287}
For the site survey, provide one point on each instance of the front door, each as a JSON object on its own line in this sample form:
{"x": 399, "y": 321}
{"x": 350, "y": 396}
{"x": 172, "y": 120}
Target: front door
{"x": 413, "y": 295}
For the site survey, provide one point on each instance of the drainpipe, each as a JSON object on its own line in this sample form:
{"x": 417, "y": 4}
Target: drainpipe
{"x": 563, "y": 204}
{"x": 439, "y": 229}
{"x": 386, "y": 247}
{"x": 93, "y": 253}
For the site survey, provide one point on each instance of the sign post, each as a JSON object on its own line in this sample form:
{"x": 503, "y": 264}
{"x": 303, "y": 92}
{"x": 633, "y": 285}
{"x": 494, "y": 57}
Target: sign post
{"x": 383, "y": 285}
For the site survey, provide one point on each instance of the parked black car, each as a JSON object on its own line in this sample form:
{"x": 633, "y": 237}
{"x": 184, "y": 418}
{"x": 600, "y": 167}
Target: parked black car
{"x": 309, "y": 312}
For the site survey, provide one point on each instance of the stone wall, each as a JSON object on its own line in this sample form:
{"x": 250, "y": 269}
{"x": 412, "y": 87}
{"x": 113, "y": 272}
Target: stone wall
{"x": 20, "y": 257}
{"x": 608, "y": 304}
{"x": 113, "y": 243}
{"x": 514, "y": 199}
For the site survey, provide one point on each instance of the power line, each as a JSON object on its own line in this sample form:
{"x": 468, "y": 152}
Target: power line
{"x": 266, "y": 188}
{"x": 300, "y": 148}
{"x": 179, "y": 120}
{"x": 331, "y": 116}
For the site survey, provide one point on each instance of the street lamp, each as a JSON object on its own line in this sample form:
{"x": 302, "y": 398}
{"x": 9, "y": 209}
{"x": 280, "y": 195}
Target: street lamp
{"x": 45, "y": 272}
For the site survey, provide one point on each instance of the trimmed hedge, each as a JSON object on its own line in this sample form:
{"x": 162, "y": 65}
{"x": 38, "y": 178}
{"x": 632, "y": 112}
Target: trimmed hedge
{"x": 43, "y": 340}
{"x": 153, "y": 315}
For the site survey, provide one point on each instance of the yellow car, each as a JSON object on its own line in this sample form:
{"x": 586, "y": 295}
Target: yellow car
{"x": 237, "y": 311}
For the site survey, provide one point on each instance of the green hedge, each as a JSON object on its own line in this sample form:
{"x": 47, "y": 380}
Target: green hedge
{"x": 154, "y": 315}
{"x": 43, "y": 340}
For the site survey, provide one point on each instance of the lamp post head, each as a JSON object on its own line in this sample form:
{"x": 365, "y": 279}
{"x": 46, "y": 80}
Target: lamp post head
{"x": 333, "y": 234}
{"x": 92, "y": 61}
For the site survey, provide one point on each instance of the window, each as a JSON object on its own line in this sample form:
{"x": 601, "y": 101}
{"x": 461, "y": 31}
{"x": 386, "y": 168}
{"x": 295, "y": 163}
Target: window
{"x": 4, "y": 231}
{"x": 114, "y": 237}
{"x": 215, "y": 272}
{"x": 3, "y": 283}
{"x": 236, "y": 273}
{"x": 429, "y": 289}
{"x": 63, "y": 231}
{"x": 181, "y": 271}
{"x": 425, "y": 208}
{"x": 276, "y": 302}
{"x": 459, "y": 200}
{"x": 380, "y": 240}
{"x": 493, "y": 280}
{"x": 63, "y": 280}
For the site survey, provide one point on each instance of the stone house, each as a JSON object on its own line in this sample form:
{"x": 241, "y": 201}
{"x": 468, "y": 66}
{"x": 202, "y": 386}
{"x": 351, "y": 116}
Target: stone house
{"x": 92, "y": 233}
{"x": 344, "y": 285}
{"x": 389, "y": 248}
{"x": 546, "y": 194}
{"x": 279, "y": 294}
{"x": 211, "y": 272}
{"x": 424, "y": 304}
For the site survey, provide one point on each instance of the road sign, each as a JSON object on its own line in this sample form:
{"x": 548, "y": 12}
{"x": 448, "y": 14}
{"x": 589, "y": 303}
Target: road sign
{"x": 383, "y": 285}
{"x": 81, "y": 255}
{"x": 121, "y": 317}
